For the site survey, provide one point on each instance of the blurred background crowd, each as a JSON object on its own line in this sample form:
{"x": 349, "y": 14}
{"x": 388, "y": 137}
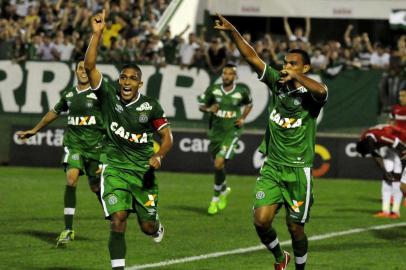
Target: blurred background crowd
{"x": 57, "y": 30}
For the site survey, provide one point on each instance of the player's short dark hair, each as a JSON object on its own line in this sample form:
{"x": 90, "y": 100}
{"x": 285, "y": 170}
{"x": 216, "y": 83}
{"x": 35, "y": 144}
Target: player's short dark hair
{"x": 365, "y": 146}
{"x": 135, "y": 67}
{"x": 304, "y": 54}
{"x": 230, "y": 65}
{"x": 77, "y": 63}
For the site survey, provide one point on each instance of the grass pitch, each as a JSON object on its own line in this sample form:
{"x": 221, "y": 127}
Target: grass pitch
{"x": 31, "y": 217}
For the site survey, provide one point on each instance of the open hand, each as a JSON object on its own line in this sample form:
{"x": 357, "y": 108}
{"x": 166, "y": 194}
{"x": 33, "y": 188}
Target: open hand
{"x": 155, "y": 161}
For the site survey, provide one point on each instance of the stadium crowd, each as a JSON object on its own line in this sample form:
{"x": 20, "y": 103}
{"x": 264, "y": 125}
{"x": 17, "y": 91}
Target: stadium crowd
{"x": 56, "y": 30}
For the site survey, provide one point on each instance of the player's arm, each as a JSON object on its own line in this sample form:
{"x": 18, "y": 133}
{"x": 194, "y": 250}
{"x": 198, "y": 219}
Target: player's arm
{"x": 245, "y": 49}
{"x": 206, "y": 102}
{"x": 165, "y": 134}
{"x": 46, "y": 120}
{"x": 317, "y": 89}
{"x": 93, "y": 74}
{"x": 287, "y": 28}
{"x": 240, "y": 121}
{"x": 308, "y": 28}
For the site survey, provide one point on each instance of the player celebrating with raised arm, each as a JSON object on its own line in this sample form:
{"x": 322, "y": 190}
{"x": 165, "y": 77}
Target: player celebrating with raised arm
{"x": 224, "y": 102}
{"x": 82, "y": 142}
{"x": 285, "y": 177}
{"x": 127, "y": 180}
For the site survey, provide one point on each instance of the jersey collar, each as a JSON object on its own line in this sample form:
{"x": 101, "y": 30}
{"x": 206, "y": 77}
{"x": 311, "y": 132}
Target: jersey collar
{"x": 229, "y": 92}
{"x": 132, "y": 102}
{"x": 81, "y": 91}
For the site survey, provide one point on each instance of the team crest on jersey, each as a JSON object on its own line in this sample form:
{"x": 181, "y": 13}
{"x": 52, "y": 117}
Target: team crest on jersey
{"x": 112, "y": 199}
{"x": 297, "y": 101}
{"x": 69, "y": 103}
{"x": 260, "y": 195}
{"x": 70, "y": 94}
{"x": 144, "y": 107}
{"x": 119, "y": 108}
{"x": 89, "y": 104}
{"x": 75, "y": 157}
{"x": 143, "y": 118}
{"x": 92, "y": 96}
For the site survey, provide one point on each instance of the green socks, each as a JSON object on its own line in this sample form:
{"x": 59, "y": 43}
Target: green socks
{"x": 117, "y": 250}
{"x": 219, "y": 182}
{"x": 70, "y": 204}
{"x": 300, "y": 251}
{"x": 270, "y": 240}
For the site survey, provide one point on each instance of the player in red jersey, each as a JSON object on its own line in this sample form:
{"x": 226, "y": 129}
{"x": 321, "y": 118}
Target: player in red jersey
{"x": 384, "y": 143}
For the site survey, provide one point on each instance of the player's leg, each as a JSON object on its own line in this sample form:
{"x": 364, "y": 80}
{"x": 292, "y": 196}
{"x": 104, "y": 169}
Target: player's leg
{"x": 386, "y": 193}
{"x": 68, "y": 234}
{"x": 146, "y": 206}
{"x": 268, "y": 199}
{"x": 397, "y": 199}
{"x": 297, "y": 190}
{"x": 117, "y": 201}
{"x": 93, "y": 171}
{"x": 117, "y": 246}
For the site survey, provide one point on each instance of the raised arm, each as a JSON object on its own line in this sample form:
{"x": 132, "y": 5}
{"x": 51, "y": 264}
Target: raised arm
{"x": 245, "y": 49}
{"x": 288, "y": 30}
{"x": 46, "y": 120}
{"x": 347, "y": 35}
{"x": 93, "y": 74}
{"x": 308, "y": 28}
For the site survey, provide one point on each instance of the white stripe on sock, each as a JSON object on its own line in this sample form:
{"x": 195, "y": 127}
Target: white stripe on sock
{"x": 69, "y": 211}
{"x": 273, "y": 244}
{"x": 218, "y": 187}
{"x": 301, "y": 260}
{"x": 118, "y": 263}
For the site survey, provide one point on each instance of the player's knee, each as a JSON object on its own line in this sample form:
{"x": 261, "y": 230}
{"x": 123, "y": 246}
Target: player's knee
{"x": 95, "y": 187}
{"x": 403, "y": 188}
{"x": 262, "y": 222}
{"x": 296, "y": 230}
{"x": 119, "y": 221}
{"x": 72, "y": 181}
{"x": 149, "y": 228}
{"x": 219, "y": 164}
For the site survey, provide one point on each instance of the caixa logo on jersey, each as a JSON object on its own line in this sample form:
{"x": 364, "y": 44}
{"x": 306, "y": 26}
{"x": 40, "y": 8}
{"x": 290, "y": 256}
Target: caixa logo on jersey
{"x": 201, "y": 145}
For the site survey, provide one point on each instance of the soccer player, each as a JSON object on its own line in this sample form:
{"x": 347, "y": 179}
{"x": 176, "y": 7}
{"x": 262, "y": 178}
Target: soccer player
{"x": 82, "y": 142}
{"x": 285, "y": 177}
{"x": 127, "y": 180}
{"x": 224, "y": 102}
{"x": 384, "y": 144}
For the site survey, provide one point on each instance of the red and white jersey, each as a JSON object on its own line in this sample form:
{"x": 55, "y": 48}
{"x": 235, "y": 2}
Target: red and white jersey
{"x": 385, "y": 135}
{"x": 399, "y": 115}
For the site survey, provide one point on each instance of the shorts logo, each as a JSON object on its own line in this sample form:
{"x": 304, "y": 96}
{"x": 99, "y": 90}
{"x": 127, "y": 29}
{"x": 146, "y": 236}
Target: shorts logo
{"x": 143, "y": 118}
{"x": 112, "y": 200}
{"x": 151, "y": 200}
{"x": 296, "y": 205}
{"x": 260, "y": 195}
{"x": 75, "y": 157}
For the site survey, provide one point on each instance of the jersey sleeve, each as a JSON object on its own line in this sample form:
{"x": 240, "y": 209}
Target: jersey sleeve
{"x": 270, "y": 77}
{"x": 158, "y": 117}
{"x": 206, "y": 99}
{"x": 62, "y": 105}
{"x": 246, "y": 97}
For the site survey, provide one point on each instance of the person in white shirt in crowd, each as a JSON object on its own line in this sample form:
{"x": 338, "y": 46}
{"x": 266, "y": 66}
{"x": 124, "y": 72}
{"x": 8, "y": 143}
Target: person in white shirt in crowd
{"x": 379, "y": 58}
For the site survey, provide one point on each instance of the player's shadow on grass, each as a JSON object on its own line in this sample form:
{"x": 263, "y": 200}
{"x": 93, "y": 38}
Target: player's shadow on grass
{"x": 357, "y": 210}
{"x": 194, "y": 209}
{"x": 49, "y": 237}
{"x": 58, "y": 268}
{"x": 369, "y": 199}
{"x": 394, "y": 235}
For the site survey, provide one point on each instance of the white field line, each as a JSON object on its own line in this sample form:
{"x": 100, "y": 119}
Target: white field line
{"x": 260, "y": 247}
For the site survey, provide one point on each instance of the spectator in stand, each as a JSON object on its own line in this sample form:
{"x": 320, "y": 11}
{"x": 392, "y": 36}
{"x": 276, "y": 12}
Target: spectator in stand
{"x": 187, "y": 50}
{"x": 216, "y": 56}
{"x": 298, "y": 35}
{"x": 47, "y": 49}
{"x": 379, "y": 58}
{"x": 318, "y": 60}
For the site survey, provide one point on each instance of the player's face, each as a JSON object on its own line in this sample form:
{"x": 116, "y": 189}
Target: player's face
{"x": 402, "y": 97}
{"x": 81, "y": 73}
{"x": 229, "y": 76}
{"x": 129, "y": 82}
{"x": 294, "y": 62}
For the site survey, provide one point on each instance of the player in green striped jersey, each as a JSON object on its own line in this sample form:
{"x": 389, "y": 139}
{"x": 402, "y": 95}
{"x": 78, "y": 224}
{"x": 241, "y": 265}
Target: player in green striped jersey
{"x": 224, "y": 102}
{"x": 127, "y": 182}
{"x": 82, "y": 142}
{"x": 285, "y": 178}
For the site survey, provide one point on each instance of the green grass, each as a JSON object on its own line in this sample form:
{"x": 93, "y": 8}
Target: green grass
{"x": 31, "y": 217}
